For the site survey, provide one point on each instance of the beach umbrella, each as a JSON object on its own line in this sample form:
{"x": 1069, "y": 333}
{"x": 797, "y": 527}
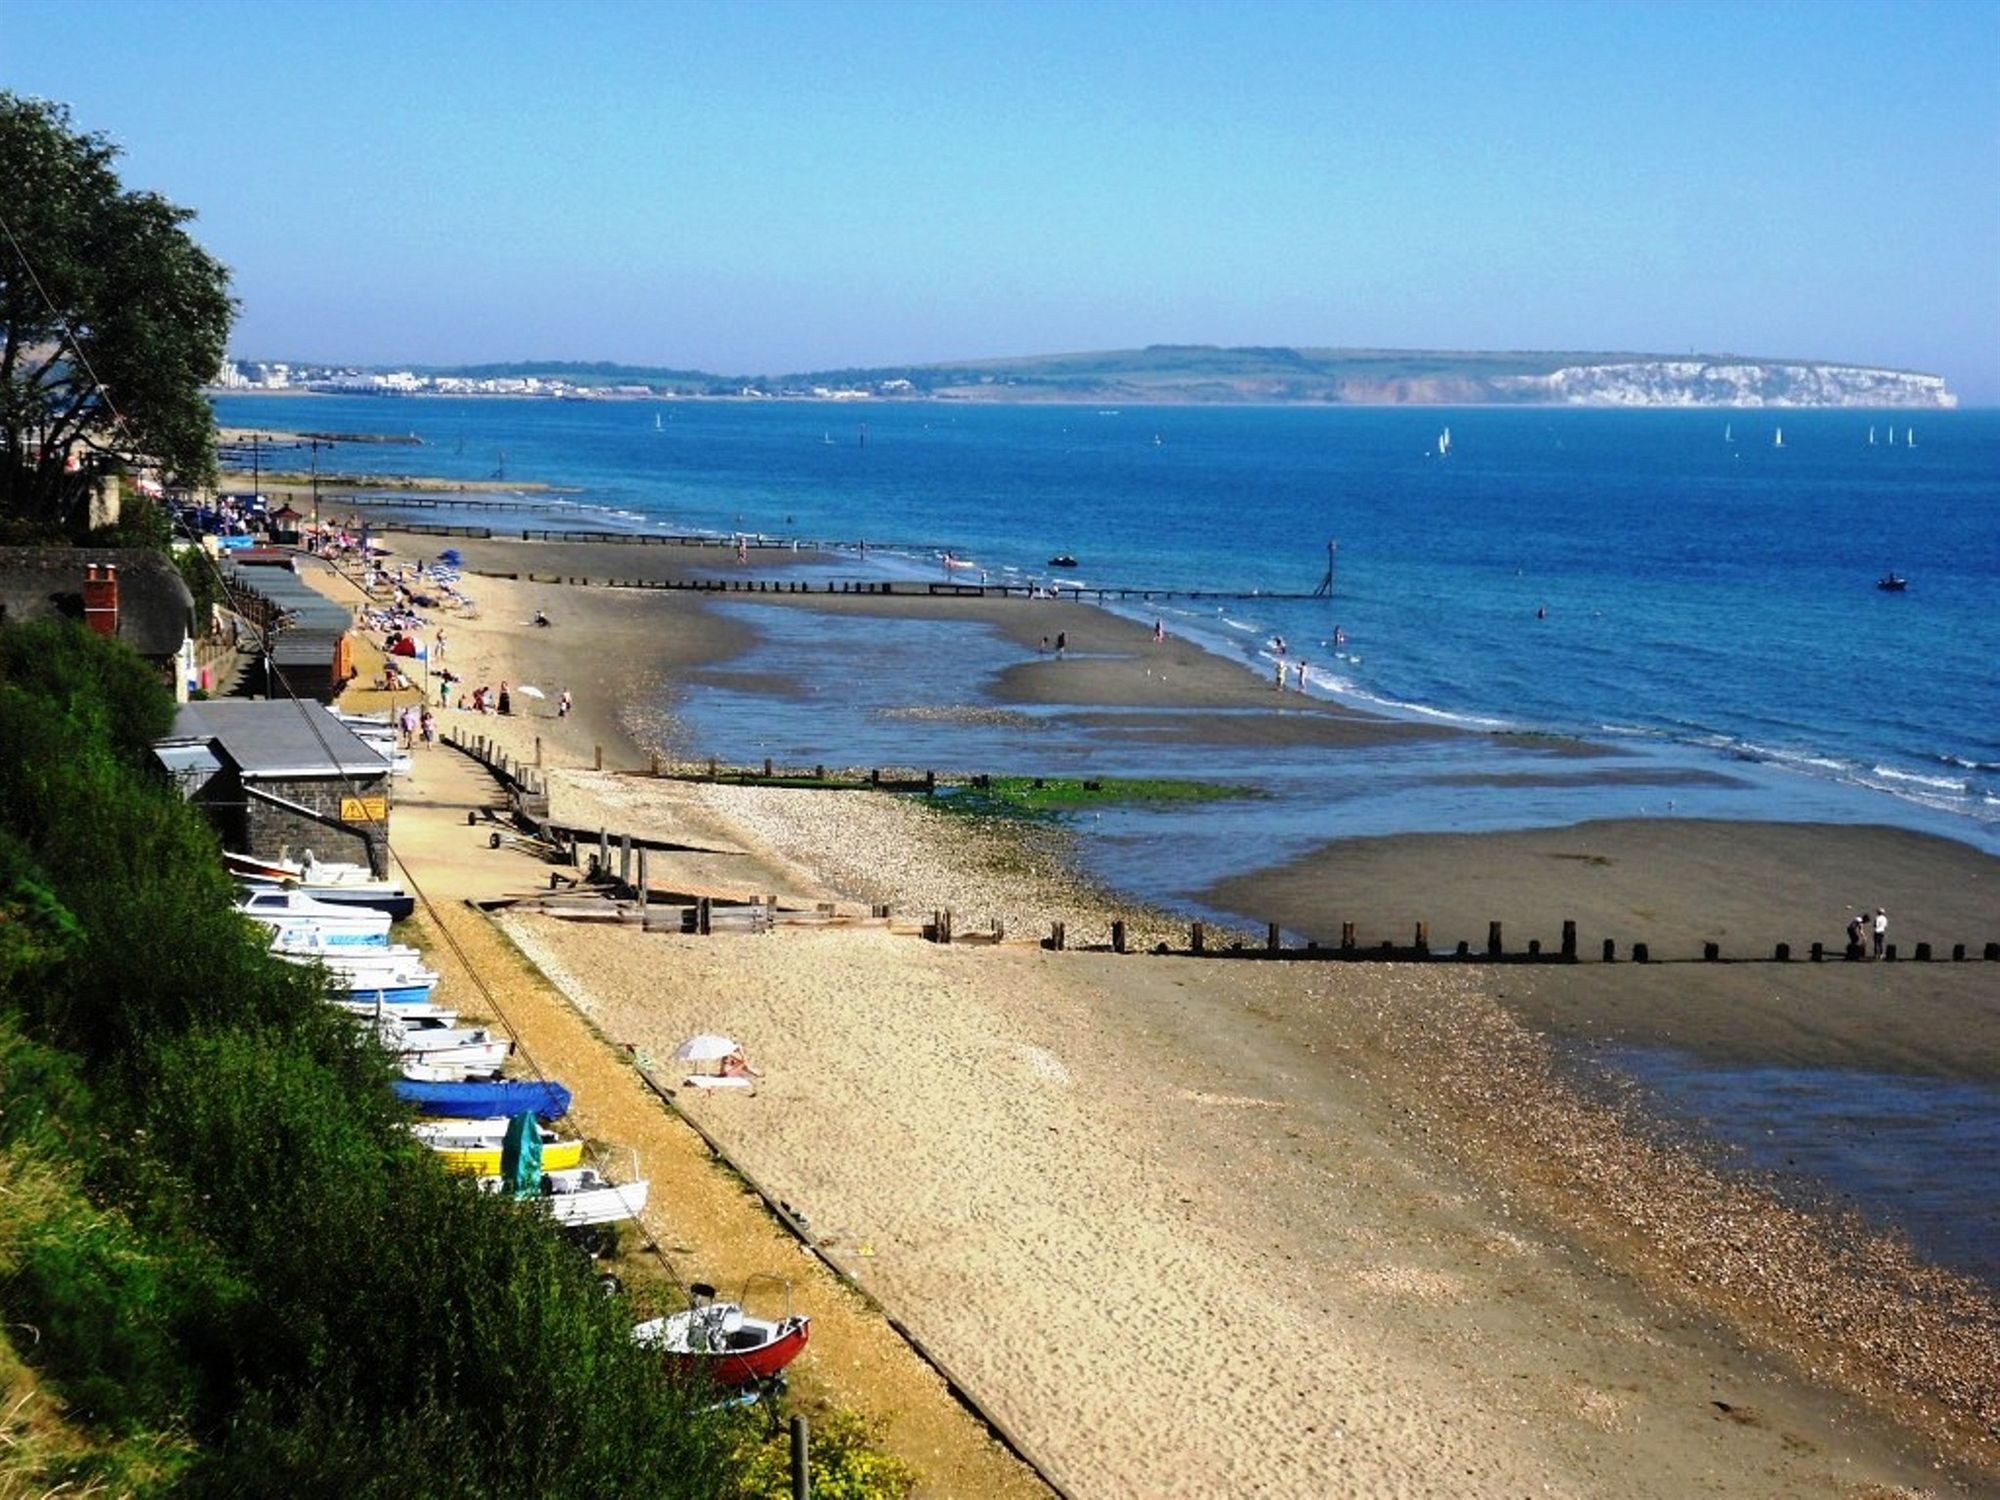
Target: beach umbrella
{"x": 707, "y": 1047}
{"x": 529, "y": 690}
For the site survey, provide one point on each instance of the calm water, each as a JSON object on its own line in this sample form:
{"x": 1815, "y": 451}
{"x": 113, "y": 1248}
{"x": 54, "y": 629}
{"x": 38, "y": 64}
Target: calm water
{"x": 1915, "y": 1153}
{"x": 1702, "y": 595}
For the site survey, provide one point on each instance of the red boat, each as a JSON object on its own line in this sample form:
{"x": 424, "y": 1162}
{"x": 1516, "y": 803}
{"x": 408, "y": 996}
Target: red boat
{"x": 723, "y": 1341}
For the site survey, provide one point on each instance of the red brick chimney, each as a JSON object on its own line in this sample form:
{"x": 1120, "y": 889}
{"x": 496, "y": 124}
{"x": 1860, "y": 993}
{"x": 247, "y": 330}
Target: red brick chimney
{"x": 100, "y": 599}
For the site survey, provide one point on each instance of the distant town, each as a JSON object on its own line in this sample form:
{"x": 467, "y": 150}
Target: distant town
{"x": 350, "y": 380}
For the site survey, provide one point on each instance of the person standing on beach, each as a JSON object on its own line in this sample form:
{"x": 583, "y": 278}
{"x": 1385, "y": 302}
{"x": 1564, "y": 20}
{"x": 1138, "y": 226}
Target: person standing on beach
{"x": 1881, "y": 931}
{"x": 1279, "y": 681}
{"x": 438, "y": 649}
{"x": 1062, "y": 643}
{"x": 562, "y": 705}
{"x": 506, "y": 702}
{"x": 1302, "y": 677}
{"x": 1159, "y": 631}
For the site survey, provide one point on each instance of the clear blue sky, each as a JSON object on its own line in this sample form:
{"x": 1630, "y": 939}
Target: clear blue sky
{"x": 759, "y": 188}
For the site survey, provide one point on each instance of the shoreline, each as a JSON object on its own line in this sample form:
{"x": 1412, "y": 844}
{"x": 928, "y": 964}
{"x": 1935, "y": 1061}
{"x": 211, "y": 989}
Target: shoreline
{"x": 925, "y": 1206}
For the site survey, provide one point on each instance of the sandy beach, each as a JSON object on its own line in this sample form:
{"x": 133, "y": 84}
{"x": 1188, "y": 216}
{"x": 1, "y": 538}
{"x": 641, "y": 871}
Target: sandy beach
{"x": 1205, "y": 1227}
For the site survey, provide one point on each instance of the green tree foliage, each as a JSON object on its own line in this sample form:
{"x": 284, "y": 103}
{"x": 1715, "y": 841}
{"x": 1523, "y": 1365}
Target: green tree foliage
{"x": 250, "y": 1257}
{"x": 91, "y": 273}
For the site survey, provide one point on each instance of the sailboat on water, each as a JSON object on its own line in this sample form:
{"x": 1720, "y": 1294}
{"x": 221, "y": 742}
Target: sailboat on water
{"x": 658, "y": 426}
{"x": 1909, "y": 437}
{"x": 1728, "y": 432}
{"x": 1892, "y": 436}
{"x": 1778, "y": 438}
{"x": 1444, "y": 443}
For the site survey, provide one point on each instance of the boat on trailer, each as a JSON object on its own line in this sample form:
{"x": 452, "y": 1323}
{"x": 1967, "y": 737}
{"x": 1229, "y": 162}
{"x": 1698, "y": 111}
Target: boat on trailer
{"x": 724, "y": 1342}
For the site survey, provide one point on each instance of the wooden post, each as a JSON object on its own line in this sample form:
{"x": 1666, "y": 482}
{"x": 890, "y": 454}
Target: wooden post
{"x": 653, "y": 764}
{"x": 538, "y": 749}
{"x": 1534, "y": 947}
{"x": 1346, "y": 937}
{"x": 801, "y": 1458}
{"x": 603, "y": 850}
{"x": 874, "y": 775}
{"x": 702, "y": 915}
{"x": 1117, "y": 937}
{"x": 944, "y": 927}
{"x": 1569, "y": 942}
{"x": 1889, "y": 952}
{"x": 1611, "y": 950}
{"x": 1782, "y": 953}
{"x": 1818, "y": 952}
{"x": 1057, "y": 937}
{"x": 767, "y": 768}
{"x": 1422, "y": 941}
{"x": 1923, "y": 953}
{"x": 930, "y": 782}
{"x": 711, "y": 768}
{"x": 599, "y": 760}
{"x": 644, "y": 885}
{"x": 1197, "y": 938}
{"x": 1958, "y": 953}
{"x": 1493, "y": 948}
{"x": 1641, "y": 954}
{"x": 1464, "y": 949}
{"x": 1711, "y": 952}
{"x": 624, "y": 859}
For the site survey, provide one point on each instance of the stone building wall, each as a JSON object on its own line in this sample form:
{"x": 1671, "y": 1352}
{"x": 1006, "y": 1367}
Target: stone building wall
{"x": 267, "y": 829}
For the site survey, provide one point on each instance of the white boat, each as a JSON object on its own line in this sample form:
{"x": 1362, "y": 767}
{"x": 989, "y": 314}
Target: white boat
{"x": 455, "y": 1064}
{"x": 1444, "y": 443}
{"x": 1778, "y": 438}
{"x": 369, "y": 1010}
{"x": 658, "y": 426}
{"x": 1892, "y": 435}
{"x": 390, "y": 964}
{"x": 338, "y": 882}
{"x": 578, "y": 1196}
{"x": 1728, "y": 436}
{"x": 469, "y": 1135}
{"x": 339, "y": 926}
{"x": 1909, "y": 437}
{"x": 724, "y": 1341}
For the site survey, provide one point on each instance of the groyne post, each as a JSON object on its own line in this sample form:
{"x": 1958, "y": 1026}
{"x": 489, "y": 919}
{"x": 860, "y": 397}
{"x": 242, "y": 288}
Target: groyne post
{"x": 538, "y": 749}
{"x": 1197, "y": 938}
{"x": 644, "y": 885}
{"x": 1641, "y": 953}
{"x": 1923, "y": 953}
{"x": 1782, "y": 953}
{"x": 1569, "y": 941}
{"x": 1346, "y": 937}
{"x": 1421, "y": 941}
{"x": 1711, "y": 952}
{"x": 1271, "y": 940}
{"x": 598, "y": 761}
{"x": 625, "y": 859}
{"x": 1056, "y": 937}
{"x": 1493, "y": 945}
{"x": 1118, "y": 937}
{"x": 1611, "y": 950}
{"x": 703, "y": 916}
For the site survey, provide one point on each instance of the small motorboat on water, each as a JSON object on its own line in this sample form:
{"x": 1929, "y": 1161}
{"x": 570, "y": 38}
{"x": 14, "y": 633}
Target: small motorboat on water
{"x": 1892, "y": 583}
{"x": 724, "y": 1342}
{"x": 1062, "y": 560}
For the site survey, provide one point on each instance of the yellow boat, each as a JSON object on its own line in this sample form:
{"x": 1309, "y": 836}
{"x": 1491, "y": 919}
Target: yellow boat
{"x": 484, "y": 1161}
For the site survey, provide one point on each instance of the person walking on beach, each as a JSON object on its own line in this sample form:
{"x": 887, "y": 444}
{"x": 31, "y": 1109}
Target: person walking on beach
{"x": 1159, "y": 631}
{"x": 506, "y": 702}
{"x": 1881, "y": 931}
{"x": 562, "y": 705}
{"x": 1062, "y": 643}
{"x": 427, "y": 728}
{"x": 406, "y": 721}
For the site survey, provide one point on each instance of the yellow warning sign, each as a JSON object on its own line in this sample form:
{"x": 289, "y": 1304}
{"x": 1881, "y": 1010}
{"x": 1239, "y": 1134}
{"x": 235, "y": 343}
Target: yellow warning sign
{"x": 364, "y": 809}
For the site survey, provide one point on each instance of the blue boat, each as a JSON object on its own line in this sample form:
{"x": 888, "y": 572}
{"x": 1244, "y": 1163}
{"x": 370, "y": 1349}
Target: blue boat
{"x": 415, "y": 993}
{"x": 507, "y": 1096}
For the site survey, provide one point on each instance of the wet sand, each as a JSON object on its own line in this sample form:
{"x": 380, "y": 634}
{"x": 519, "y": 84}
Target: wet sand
{"x": 1675, "y": 885}
{"x": 1212, "y": 1227}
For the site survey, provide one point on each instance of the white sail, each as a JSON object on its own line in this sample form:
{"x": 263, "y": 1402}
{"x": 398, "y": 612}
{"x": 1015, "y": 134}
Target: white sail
{"x": 1871, "y": 437}
{"x": 1892, "y": 436}
{"x": 1444, "y": 443}
{"x": 1728, "y": 433}
{"x": 1778, "y": 438}
{"x": 1909, "y": 437}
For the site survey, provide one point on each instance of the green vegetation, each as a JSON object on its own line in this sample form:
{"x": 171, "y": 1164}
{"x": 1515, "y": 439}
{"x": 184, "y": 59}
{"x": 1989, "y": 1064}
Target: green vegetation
{"x": 1044, "y": 796}
{"x": 239, "y": 1273}
{"x": 97, "y": 284}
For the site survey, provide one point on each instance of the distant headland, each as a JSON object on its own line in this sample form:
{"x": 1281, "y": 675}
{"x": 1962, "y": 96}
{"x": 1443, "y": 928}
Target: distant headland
{"x": 1180, "y": 374}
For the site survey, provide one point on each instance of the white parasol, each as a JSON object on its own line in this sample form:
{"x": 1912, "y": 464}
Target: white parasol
{"x": 529, "y": 690}
{"x": 707, "y": 1047}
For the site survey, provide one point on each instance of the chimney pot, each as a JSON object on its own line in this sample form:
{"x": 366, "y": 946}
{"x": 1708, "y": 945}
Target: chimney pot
{"x": 100, "y": 598}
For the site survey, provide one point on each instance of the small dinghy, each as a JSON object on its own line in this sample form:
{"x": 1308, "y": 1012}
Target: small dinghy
{"x": 723, "y": 1342}
{"x": 579, "y": 1197}
{"x": 1892, "y": 583}
{"x": 300, "y": 918}
{"x": 1062, "y": 560}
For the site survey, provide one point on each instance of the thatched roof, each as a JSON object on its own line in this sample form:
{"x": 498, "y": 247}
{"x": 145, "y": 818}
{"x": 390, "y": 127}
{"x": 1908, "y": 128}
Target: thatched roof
{"x": 155, "y": 609}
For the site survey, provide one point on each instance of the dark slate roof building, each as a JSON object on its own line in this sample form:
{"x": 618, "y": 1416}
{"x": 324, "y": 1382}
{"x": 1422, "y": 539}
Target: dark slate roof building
{"x": 309, "y": 647}
{"x": 278, "y": 778}
{"x": 130, "y": 593}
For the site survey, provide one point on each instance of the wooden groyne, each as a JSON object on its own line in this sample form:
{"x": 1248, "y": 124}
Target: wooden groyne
{"x": 613, "y": 884}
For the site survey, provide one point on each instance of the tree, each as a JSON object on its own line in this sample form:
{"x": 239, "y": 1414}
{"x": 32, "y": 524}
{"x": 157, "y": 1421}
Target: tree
{"x": 95, "y": 278}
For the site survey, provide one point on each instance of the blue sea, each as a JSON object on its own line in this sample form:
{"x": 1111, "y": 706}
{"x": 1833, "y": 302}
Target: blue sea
{"x": 1673, "y": 583}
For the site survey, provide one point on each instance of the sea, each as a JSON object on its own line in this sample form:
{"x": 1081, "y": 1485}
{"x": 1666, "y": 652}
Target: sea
{"x": 1694, "y": 591}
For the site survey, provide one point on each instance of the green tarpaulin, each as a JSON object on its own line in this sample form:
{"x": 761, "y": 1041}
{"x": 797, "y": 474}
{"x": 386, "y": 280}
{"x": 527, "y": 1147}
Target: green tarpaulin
{"x": 521, "y": 1156}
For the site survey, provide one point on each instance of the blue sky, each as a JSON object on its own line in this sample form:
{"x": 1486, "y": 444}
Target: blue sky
{"x": 760, "y": 188}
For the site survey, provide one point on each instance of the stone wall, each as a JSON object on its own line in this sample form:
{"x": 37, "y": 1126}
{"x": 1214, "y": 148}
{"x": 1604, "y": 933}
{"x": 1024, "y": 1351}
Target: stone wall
{"x": 268, "y": 829}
